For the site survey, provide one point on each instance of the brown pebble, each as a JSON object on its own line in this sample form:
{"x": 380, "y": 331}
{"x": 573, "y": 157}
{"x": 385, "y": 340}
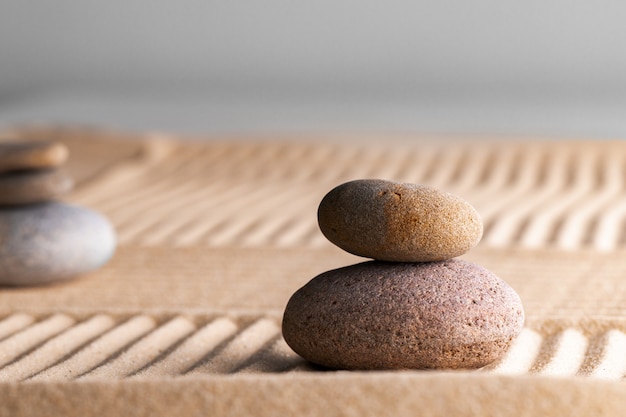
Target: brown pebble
{"x": 15, "y": 156}
{"x": 380, "y": 315}
{"x": 401, "y": 222}
{"x": 26, "y": 187}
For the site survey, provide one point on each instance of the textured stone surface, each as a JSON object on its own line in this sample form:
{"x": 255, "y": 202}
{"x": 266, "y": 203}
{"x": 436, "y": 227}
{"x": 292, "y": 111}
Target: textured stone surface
{"x": 48, "y": 242}
{"x": 380, "y": 315}
{"x": 400, "y": 222}
{"x": 31, "y": 155}
{"x": 33, "y": 186}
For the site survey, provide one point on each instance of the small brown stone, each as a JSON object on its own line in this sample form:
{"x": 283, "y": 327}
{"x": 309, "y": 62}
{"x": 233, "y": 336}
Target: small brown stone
{"x": 15, "y": 156}
{"x": 381, "y": 315}
{"x": 26, "y": 187}
{"x": 400, "y": 222}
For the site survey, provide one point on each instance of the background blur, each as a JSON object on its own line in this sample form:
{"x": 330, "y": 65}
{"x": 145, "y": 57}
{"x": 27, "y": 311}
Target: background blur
{"x": 550, "y": 67}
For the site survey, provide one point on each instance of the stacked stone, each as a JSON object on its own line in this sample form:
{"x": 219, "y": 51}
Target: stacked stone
{"x": 42, "y": 240}
{"x": 415, "y": 306}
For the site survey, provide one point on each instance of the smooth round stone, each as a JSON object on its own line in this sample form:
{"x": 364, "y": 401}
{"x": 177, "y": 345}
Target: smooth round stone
{"x": 380, "y": 315}
{"x": 44, "y": 243}
{"x": 400, "y": 222}
{"x": 31, "y": 155}
{"x": 25, "y": 187}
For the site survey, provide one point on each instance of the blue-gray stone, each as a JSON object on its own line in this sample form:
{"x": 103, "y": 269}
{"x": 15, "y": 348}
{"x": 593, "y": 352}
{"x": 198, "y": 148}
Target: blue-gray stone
{"x": 49, "y": 242}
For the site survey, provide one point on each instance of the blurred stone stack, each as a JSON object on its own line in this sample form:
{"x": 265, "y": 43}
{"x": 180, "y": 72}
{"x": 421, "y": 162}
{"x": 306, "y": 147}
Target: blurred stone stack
{"x": 43, "y": 240}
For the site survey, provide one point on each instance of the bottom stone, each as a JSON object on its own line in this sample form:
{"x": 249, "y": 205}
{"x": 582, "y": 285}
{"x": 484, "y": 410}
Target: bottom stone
{"x": 48, "y": 242}
{"x": 381, "y": 315}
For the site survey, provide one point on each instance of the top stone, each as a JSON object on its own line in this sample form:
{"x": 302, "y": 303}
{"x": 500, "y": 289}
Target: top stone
{"x": 398, "y": 222}
{"x": 17, "y": 156}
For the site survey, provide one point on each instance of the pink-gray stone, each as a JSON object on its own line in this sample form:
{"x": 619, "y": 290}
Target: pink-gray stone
{"x": 380, "y": 315}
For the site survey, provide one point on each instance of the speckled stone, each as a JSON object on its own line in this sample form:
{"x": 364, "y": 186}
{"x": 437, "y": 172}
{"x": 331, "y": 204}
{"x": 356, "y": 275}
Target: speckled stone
{"x": 44, "y": 243}
{"x": 379, "y": 315}
{"x": 399, "y": 222}
{"x": 16, "y": 156}
{"x": 33, "y": 186}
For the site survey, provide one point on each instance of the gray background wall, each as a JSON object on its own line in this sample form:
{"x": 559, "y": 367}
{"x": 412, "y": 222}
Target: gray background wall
{"x": 553, "y": 66}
